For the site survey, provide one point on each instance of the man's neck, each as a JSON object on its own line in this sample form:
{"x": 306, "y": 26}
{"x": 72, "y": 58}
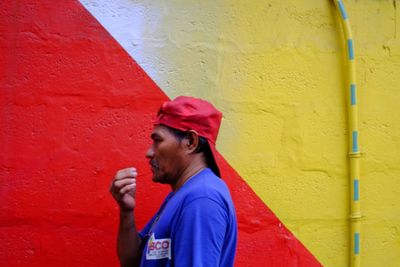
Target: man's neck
{"x": 188, "y": 173}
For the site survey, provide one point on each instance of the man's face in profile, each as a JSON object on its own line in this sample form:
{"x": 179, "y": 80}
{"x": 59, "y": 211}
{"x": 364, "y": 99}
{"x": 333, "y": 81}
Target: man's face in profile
{"x": 166, "y": 154}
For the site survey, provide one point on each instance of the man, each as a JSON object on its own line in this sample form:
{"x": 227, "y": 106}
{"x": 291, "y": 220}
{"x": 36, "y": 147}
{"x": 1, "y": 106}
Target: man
{"x": 196, "y": 224}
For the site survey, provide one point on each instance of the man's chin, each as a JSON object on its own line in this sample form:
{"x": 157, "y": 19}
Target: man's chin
{"x": 160, "y": 180}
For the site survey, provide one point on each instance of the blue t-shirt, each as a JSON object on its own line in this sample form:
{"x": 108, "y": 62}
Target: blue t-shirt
{"x": 196, "y": 226}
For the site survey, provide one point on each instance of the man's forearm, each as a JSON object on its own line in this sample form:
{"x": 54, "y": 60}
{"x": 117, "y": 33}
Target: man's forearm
{"x": 128, "y": 243}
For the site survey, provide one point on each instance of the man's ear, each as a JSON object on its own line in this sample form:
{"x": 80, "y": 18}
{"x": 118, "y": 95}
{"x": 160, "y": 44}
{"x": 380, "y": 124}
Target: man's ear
{"x": 192, "y": 141}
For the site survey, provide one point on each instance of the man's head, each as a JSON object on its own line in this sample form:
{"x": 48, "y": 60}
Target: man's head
{"x": 185, "y": 131}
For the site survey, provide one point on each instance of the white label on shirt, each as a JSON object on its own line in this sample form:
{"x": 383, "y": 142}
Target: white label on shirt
{"x": 158, "y": 248}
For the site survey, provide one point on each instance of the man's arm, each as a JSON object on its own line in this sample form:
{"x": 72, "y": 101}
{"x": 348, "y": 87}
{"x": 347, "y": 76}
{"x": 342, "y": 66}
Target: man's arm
{"x": 128, "y": 242}
{"x": 123, "y": 189}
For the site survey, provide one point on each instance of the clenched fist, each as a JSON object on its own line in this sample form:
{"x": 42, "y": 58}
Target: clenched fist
{"x": 123, "y": 188}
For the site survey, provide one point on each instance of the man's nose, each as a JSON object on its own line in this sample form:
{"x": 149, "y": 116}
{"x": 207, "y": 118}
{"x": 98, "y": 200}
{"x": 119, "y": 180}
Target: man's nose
{"x": 150, "y": 153}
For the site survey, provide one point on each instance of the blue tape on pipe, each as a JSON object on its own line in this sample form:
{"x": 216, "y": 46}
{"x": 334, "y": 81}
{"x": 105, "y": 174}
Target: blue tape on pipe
{"x": 351, "y": 50}
{"x": 355, "y": 141}
{"x": 342, "y": 10}
{"x": 356, "y": 190}
{"x": 353, "y": 94}
{"x": 357, "y": 243}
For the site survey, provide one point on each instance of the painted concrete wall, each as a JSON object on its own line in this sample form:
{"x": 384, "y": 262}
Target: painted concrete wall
{"x": 73, "y": 98}
{"x": 75, "y": 107}
{"x": 277, "y": 70}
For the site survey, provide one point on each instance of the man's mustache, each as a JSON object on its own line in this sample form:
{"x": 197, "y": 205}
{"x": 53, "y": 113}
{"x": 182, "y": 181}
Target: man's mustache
{"x": 153, "y": 164}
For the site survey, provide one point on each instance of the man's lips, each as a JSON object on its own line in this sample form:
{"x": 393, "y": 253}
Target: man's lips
{"x": 153, "y": 165}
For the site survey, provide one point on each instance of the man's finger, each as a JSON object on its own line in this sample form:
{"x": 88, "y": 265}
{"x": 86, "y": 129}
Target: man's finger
{"x": 127, "y": 188}
{"x": 118, "y": 184}
{"x": 124, "y": 173}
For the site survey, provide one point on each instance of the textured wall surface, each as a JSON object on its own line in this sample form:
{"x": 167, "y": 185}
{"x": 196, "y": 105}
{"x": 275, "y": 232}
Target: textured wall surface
{"x": 72, "y": 101}
{"x": 75, "y": 107}
{"x": 277, "y": 70}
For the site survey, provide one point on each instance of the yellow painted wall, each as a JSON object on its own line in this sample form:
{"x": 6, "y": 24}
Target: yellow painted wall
{"x": 277, "y": 70}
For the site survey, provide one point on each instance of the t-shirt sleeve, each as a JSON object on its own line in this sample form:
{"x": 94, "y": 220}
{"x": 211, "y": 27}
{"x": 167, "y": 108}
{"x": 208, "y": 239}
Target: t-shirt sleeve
{"x": 199, "y": 234}
{"x": 146, "y": 228}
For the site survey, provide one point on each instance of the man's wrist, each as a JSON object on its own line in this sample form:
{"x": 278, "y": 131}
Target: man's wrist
{"x": 125, "y": 211}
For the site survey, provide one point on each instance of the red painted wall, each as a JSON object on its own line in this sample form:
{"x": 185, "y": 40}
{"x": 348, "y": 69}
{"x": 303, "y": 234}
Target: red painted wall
{"x": 74, "y": 109}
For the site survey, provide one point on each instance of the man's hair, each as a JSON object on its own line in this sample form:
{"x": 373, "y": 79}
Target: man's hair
{"x": 203, "y": 147}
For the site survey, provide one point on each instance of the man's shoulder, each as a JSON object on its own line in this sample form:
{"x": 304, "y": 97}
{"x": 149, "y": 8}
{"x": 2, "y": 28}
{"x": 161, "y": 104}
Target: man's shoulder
{"x": 206, "y": 185}
{"x": 207, "y": 181}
